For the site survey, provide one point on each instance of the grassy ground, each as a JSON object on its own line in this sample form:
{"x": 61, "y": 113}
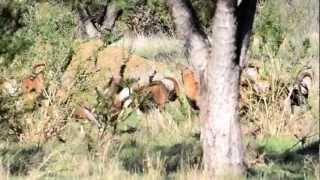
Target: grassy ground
{"x": 40, "y": 139}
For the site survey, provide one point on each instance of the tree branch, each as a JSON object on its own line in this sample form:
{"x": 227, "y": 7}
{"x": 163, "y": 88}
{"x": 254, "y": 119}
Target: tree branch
{"x": 245, "y": 17}
{"x": 188, "y": 28}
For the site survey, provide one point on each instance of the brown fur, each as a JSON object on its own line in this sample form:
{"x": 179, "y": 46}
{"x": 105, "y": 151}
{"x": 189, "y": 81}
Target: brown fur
{"x": 158, "y": 92}
{"x": 191, "y": 86}
{"x": 117, "y": 103}
{"x": 114, "y": 88}
{"x": 84, "y": 112}
{"x": 300, "y": 91}
{"x": 34, "y": 82}
{"x": 121, "y": 98}
{"x": 79, "y": 113}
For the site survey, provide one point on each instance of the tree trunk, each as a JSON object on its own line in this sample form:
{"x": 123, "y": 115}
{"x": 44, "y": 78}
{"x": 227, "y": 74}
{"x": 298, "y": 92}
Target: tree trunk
{"x": 221, "y": 134}
{"x": 219, "y": 67}
{"x": 93, "y": 25}
{"x": 111, "y": 15}
{"x": 86, "y": 28}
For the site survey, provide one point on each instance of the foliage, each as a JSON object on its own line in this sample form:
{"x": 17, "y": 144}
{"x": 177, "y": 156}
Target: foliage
{"x": 20, "y": 160}
{"x": 46, "y": 141}
{"x": 46, "y": 34}
{"x": 269, "y": 27}
{"x": 11, "y": 19}
{"x": 109, "y": 38}
{"x": 10, "y": 126}
{"x": 204, "y": 11}
{"x": 146, "y": 17}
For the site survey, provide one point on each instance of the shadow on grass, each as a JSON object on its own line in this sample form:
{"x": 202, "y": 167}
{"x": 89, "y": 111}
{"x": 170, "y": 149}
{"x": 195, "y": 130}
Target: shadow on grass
{"x": 133, "y": 156}
{"x": 310, "y": 149}
{"x": 292, "y": 163}
{"x": 188, "y": 154}
{"x": 296, "y": 155}
{"x": 19, "y": 160}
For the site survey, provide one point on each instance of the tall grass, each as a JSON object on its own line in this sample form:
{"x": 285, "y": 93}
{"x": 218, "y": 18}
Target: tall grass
{"x": 49, "y": 143}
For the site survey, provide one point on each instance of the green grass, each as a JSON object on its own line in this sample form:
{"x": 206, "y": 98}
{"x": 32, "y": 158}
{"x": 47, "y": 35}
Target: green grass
{"x": 41, "y": 139}
{"x": 276, "y": 145}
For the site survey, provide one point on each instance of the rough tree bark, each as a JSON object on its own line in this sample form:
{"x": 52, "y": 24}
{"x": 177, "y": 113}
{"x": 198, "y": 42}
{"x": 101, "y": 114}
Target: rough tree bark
{"x": 222, "y": 145}
{"x": 219, "y": 67}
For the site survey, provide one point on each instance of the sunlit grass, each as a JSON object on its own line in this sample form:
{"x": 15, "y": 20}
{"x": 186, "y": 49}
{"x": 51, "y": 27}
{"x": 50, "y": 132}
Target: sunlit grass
{"x": 164, "y": 144}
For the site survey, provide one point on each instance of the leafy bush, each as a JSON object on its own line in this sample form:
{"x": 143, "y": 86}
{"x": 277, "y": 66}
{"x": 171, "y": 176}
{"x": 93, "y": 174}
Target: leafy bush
{"x": 47, "y": 34}
{"x": 146, "y": 16}
{"x": 10, "y": 126}
{"x": 11, "y": 19}
{"x": 268, "y": 26}
{"x": 20, "y": 160}
{"x": 152, "y": 16}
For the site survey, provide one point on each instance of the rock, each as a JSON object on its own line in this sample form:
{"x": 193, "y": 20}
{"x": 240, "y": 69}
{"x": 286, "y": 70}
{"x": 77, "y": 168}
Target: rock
{"x": 10, "y": 87}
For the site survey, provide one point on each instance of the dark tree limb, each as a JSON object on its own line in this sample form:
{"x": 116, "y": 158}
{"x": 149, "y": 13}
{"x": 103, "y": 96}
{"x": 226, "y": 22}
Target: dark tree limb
{"x": 101, "y": 16}
{"x": 245, "y": 17}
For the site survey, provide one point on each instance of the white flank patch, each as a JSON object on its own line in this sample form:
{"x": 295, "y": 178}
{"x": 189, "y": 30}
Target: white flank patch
{"x": 127, "y": 103}
{"x": 168, "y": 83}
{"x": 307, "y": 82}
{"x": 124, "y": 94}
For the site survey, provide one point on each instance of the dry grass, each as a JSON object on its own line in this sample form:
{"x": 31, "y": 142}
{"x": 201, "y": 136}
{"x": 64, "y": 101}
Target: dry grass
{"x": 165, "y": 144}
{"x": 157, "y": 47}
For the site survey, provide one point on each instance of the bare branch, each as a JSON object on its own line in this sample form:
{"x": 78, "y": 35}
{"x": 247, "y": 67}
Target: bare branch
{"x": 185, "y": 18}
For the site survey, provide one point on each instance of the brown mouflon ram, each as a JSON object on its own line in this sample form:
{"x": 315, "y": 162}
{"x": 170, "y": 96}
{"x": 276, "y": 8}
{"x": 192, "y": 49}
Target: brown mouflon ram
{"x": 34, "y": 82}
{"x": 191, "y": 86}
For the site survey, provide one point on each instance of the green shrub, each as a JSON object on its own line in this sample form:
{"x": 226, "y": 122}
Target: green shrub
{"x": 10, "y": 126}
{"x": 12, "y": 42}
{"x": 46, "y": 36}
{"x": 269, "y": 27}
{"x": 146, "y": 16}
{"x": 19, "y": 160}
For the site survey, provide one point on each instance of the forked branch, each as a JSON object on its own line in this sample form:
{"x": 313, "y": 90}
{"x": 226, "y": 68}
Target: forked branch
{"x": 189, "y": 29}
